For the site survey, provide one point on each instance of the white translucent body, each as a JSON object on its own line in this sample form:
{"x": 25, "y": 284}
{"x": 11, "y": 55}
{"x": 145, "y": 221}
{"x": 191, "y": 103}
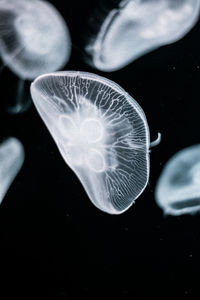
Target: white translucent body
{"x": 178, "y": 188}
{"x": 139, "y": 26}
{"x": 11, "y": 160}
{"x": 101, "y": 132}
{"x": 34, "y": 38}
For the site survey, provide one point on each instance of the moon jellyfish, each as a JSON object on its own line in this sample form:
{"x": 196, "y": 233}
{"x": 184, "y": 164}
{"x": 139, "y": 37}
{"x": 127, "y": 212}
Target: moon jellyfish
{"x": 178, "y": 188}
{"x": 101, "y": 132}
{"x": 34, "y": 38}
{"x": 121, "y": 31}
{"x": 11, "y": 160}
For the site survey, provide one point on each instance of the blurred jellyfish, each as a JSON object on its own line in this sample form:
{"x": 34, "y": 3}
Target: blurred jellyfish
{"x": 178, "y": 188}
{"x": 11, "y": 160}
{"x": 101, "y": 132}
{"x": 34, "y": 38}
{"x": 120, "y": 31}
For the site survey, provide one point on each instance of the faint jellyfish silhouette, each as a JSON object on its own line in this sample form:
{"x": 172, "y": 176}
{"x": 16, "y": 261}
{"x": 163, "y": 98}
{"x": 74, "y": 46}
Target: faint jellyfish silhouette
{"x": 34, "y": 39}
{"x": 178, "y": 188}
{"x": 11, "y": 160}
{"x": 121, "y": 31}
{"x": 101, "y": 132}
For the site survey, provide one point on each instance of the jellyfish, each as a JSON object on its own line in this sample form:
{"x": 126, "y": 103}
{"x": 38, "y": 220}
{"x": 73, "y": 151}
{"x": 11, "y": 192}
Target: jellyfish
{"x": 34, "y": 38}
{"x": 101, "y": 132}
{"x": 11, "y": 161}
{"x": 121, "y": 31}
{"x": 178, "y": 188}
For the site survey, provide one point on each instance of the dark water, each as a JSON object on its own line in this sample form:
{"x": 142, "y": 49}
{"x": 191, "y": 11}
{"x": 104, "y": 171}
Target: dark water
{"x": 54, "y": 244}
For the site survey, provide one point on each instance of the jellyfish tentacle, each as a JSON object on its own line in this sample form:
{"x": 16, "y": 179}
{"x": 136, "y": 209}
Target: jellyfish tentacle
{"x": 157, "y": 141}
{"x": 22, "y": 101}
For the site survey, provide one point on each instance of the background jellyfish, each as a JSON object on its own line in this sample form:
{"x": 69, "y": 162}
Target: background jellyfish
{"x": 178, "y": 187}
{"x": 123, "y": 30}
{"x": 11, "y": 160}
{"x": 34, "y": 38}
{"x": 101, "y": 132}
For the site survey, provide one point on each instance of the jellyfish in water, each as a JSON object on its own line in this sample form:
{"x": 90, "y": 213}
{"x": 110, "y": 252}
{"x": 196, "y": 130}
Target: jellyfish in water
{"x": 178, "y": 187}
{"x": 34, "y": 38}
{"x": 11, "y": 160}
{"x": 121, "y": 31}
{"x": 101, "y": 132}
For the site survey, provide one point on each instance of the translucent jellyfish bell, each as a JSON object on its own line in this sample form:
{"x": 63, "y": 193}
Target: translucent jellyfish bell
{"x": 11, "y": 160}
{"x": 178, "y": 188}
{"x": 101, "y": 132}
{"x": 120, "y": 31}
{"x": 34, "y": 38}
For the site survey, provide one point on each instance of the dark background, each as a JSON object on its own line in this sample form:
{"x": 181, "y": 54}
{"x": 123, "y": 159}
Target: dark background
{"x": 54, "y": 243}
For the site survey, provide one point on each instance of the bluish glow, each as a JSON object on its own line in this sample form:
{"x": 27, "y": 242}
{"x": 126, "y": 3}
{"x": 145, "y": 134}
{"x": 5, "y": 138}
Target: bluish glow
{"x": 178, "y": 188}
{"x": 11, "y": 160}
{"x": 135, "y": 27}
{"x": 34, "y": 38}
{"x": 101, "y": 132}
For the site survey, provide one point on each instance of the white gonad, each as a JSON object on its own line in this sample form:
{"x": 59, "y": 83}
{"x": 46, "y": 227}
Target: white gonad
{"x": 11, "y": 161}
{"x": 120, "y": 31}
{"x": 101, "y": 132}
{"x": 178, "y": 187}
{"x": 34, "y": 38}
